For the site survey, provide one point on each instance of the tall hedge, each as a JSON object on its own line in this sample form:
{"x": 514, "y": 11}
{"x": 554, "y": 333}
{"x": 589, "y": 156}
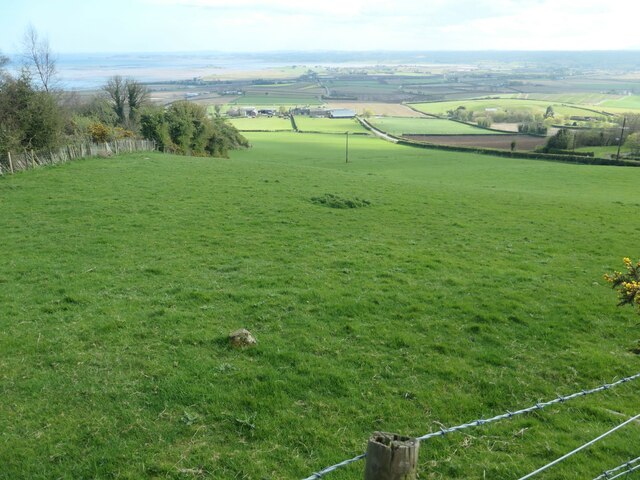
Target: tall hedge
{"x": 185, "y": 128}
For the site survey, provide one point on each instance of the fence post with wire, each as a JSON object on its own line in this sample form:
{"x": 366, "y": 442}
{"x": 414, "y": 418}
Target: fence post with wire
{"x": 383, "y": 462}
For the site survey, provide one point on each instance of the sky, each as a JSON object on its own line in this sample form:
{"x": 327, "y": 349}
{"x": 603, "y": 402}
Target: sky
{"x": 122, "y": 26}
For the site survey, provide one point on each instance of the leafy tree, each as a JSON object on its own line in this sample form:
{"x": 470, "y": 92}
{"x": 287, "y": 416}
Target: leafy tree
{"x": 29, "y": 118}
{"x": 549, "y": 113}
{"x": 560, "y": 141}
{"x": 633, "y": 143}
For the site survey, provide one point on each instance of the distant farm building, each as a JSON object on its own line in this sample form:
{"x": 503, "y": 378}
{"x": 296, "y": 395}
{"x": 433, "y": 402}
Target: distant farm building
{"x": 243, "y": 112}
{"x": 341, "y": 113}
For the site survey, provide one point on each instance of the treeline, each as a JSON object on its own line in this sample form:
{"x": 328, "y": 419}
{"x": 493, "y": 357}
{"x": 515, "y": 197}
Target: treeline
{"x": 567, "y": 139}
{"x": 36, "y": 115}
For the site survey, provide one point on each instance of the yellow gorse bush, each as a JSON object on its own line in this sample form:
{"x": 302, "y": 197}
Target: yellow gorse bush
{"x": 627, "y": 283}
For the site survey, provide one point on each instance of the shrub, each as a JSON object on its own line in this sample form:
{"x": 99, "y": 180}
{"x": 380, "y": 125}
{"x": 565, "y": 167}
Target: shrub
{"x": 185, "y": 128}
{"x": 99, "y": 132}
{"x": 334, "y": 201}
{"x": 627, "y": 283}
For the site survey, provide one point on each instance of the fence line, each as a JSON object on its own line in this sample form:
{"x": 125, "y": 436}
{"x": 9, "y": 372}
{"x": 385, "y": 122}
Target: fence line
{"x": 627, "y": 465}
{"x": 626, "y": 472}
{"x": 14, "y": 162}
{"x": 479, "y": 422}
{"x": 580, "y": 448}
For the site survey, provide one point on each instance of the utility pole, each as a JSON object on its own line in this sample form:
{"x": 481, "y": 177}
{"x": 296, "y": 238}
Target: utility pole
{"x": 624, "y": 122}
{"x": 346, "y": 155}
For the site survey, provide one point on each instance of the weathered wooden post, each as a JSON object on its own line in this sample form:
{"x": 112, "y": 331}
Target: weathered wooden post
{"x": 10, "y": 163}
{"x": 391, "y": 457}
{"x": 33, "y": 159}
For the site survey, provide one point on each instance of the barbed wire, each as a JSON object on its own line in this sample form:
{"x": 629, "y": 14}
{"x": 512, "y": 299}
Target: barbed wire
{"x": 330, "y": 469}
{"x": 626, "y": 472}
{"x": 479, "y": 422}
{"x": 579, "y": 449}
{"x": 626, "y": 465}
{"x": 537, "y": 406}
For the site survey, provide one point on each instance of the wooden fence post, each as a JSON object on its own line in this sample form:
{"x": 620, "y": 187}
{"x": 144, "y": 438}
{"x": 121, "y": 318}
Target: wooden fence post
{"x": 10, "y": 163}
{"x": 33, "y": 160}
{"x": 391, "y": 457}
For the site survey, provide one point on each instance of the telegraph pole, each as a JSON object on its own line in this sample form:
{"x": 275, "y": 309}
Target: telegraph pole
{"x": 346, "y": 153}
{"x": 624, "y": 122}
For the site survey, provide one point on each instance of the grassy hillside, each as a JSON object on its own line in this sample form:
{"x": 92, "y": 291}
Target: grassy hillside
{"x": 470, "y": 285}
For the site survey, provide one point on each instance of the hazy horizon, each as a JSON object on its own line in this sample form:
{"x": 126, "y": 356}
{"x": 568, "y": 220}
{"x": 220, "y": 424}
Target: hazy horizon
{"x": 247, "y": 26}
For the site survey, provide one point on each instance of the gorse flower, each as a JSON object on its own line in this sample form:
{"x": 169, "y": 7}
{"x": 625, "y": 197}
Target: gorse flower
{"x": 627, "y": 283}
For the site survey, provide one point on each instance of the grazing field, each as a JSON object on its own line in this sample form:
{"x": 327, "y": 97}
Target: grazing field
{"x": 628, "y": 103}
{"x": 272, "y": 124}
{"x": 470, "y": 285}
{"x": 329, "y": 125}
{"x": 503, "y": 142}
{"x": 425, "y": 126}
{"x": 501, "y": 104}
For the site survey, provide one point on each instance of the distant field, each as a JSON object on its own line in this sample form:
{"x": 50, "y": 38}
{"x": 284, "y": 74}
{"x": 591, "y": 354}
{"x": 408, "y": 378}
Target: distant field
{"x": 503, "y": 104}
{"x": 270, "y": 99}
{"x": 502, "y": 142}
{"x": 262, "y": 124}
{"x": 597, "y": 101}
{"x": 628, "y": 102}
{"x": 425, "y": 126}
{"x": 329, "y": 125}
{"x": 576, "y": 98}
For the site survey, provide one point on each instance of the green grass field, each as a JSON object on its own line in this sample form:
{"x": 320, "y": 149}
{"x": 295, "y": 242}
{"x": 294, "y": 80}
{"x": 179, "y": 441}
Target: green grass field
{"x": 470, "y": 285}
{"x": 272, "y": 124}
{"x": 329, "y": 125}
{"x": 426, "y": 126}
{"x": 503, "y": 104}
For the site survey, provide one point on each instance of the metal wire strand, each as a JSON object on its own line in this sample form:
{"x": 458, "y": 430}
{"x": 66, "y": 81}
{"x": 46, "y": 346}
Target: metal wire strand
{"x": 626, "y": 472}
{"x": 475, "y": 423}
{"x": 626, "y": 465}
{"x": 580, "y": 448}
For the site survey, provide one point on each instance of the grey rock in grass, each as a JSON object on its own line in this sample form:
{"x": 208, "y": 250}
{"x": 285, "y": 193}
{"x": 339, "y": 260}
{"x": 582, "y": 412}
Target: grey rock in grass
{"x": 242, "y": 338}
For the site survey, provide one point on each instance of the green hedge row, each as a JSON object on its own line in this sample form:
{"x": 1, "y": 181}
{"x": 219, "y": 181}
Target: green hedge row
{"x": 528, "y": 155}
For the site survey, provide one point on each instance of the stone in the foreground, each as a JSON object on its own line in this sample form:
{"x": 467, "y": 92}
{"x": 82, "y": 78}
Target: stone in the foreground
{"x": 242, "y": 338}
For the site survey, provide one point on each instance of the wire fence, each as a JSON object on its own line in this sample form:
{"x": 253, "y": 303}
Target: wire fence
{"x": 580, "y": 448}
{"x": 476, "y": 423}
{"x": 13, "y": 162}
{"x": 627, "y": 467}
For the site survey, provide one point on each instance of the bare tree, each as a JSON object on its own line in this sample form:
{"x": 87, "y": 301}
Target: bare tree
{"x": 127, "y": 97}
{"x": 39, "y": 59}
{"x": 137, "y": 96}
{"x": 117, "y": 93}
